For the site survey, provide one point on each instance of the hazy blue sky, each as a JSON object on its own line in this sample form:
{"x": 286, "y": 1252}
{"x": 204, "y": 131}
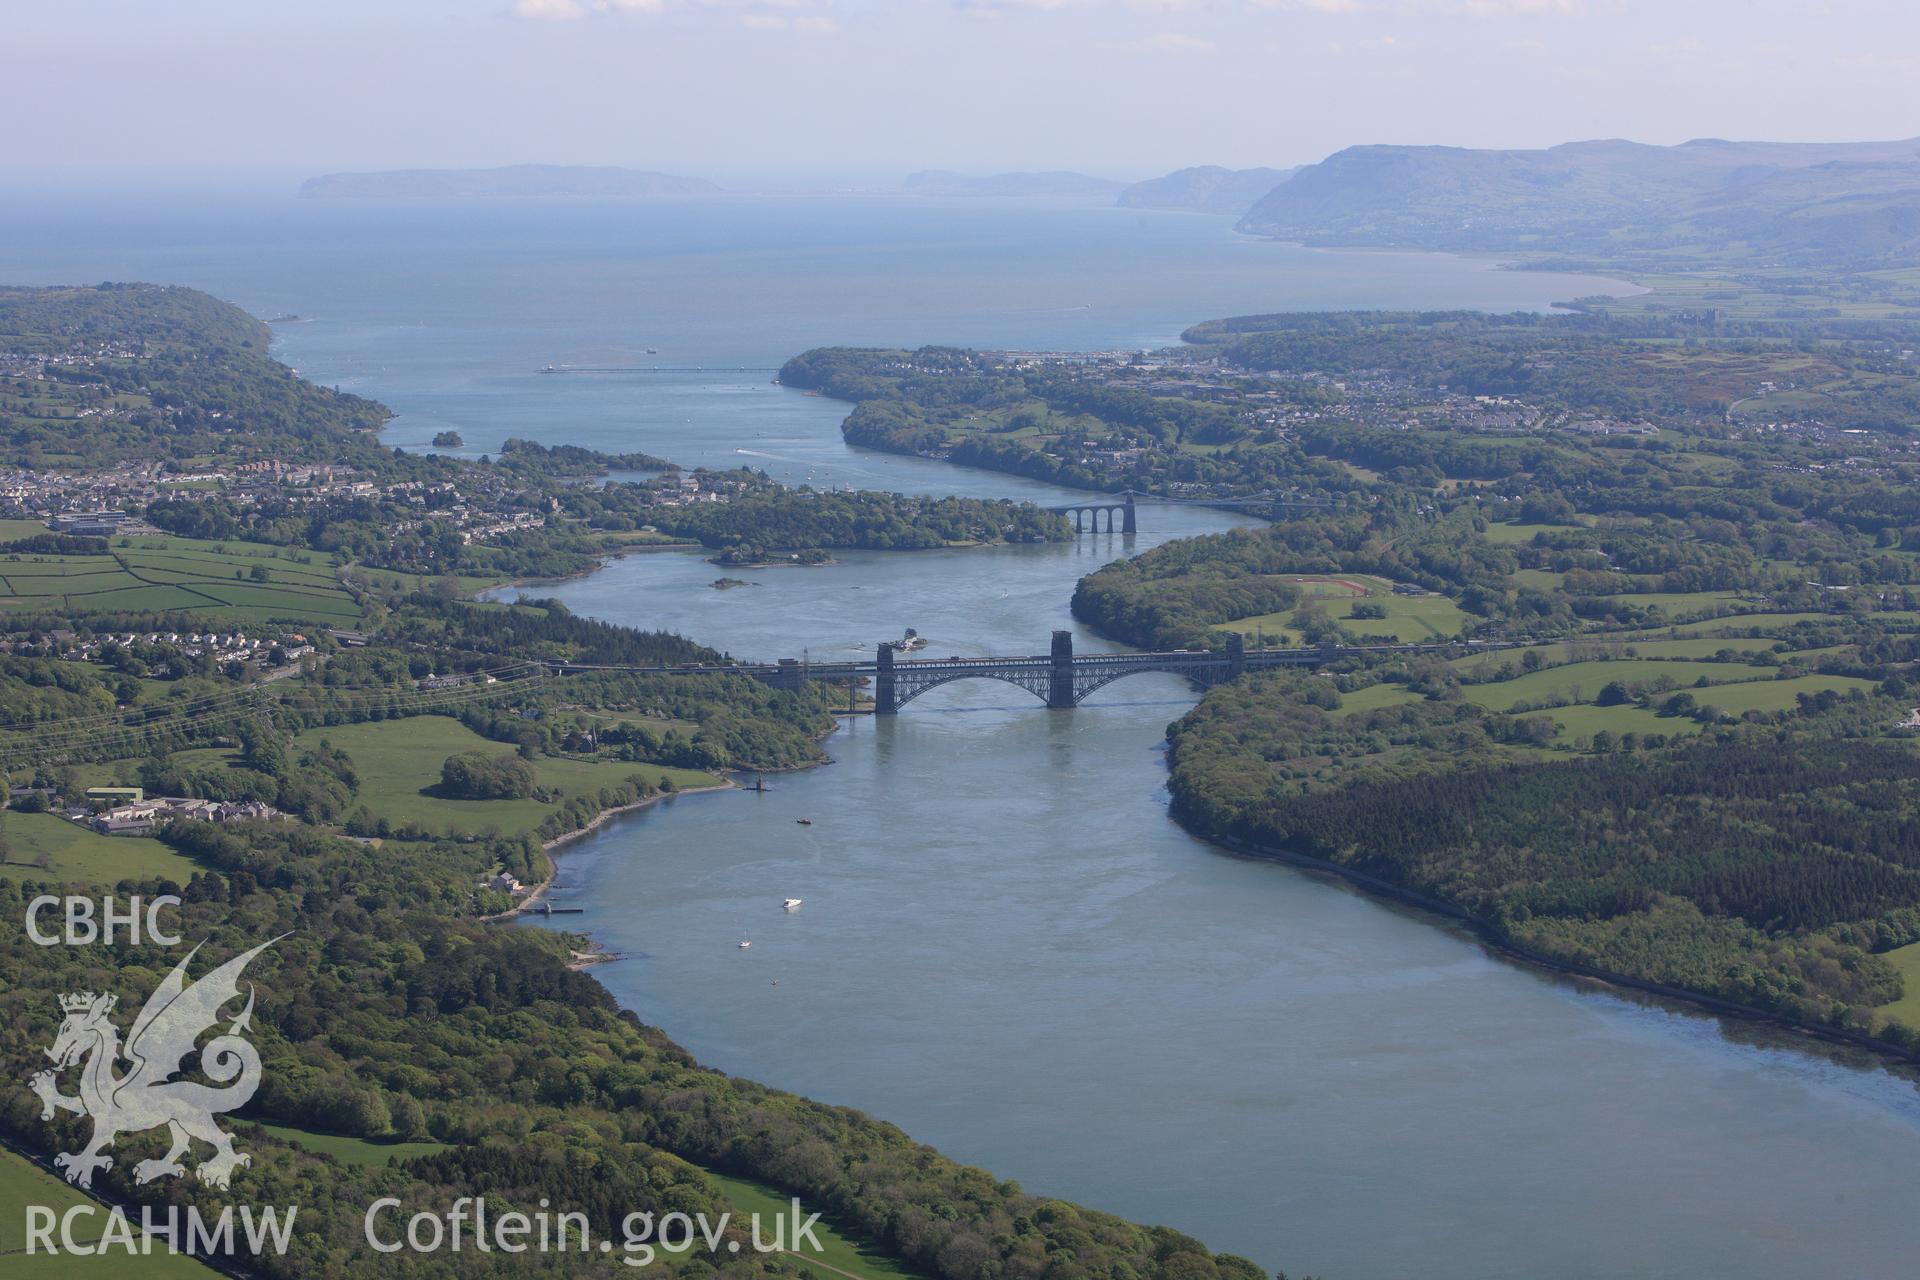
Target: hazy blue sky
{"x": 735, "y": 89}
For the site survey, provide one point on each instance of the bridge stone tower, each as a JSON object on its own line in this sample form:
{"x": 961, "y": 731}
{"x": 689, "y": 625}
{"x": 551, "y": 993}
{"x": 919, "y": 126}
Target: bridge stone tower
{"x": 1236, "y": 654}
{"x": 1128, "y": 524}
{"x": 1060, "y": 682}
{"x": 884, "y": 703}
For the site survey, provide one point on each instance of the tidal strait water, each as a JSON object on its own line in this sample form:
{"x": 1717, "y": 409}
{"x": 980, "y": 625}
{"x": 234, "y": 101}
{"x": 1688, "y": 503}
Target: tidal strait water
{"x": 1006, "y": 946}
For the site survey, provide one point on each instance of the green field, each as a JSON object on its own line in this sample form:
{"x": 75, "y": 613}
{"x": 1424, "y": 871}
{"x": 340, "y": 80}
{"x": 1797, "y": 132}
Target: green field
{"x": 398, "y": 764}
{"x": 658, "y": 723}
{"x": 1612, "y": 647}
{"x": 75, "y": 853}
{"x": 1515, "y": 534}
{"x": 1376, "y": 696}
{"x": 1683, "y": 604}
{"x": 180, "y": 557}
{"x": 24, "y": 1183}
{"x": 1702, "y": 646}
{"x": 1907, "y": 1008}
{"x": 1745, "y": 294}
{"x": 1781, "y": 620}
{"x": 1808, "y": 656}
{"x": 840, "y": 1253}
{"x": 352, "y": 1151}
{"x": 1411, "y": 618}
{"x": 1582, "y": 681}
{"x": 1586, "y": 720}
{"x": 1580, "y": 721}
{"x": 1775, "y": 695}
{"x": 1732, "y": 699}
{"x": 399, "y": 760}
{"x": 162, "y": 573}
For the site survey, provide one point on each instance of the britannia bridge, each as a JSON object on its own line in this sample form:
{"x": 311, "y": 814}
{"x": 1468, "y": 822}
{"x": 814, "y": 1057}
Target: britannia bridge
{"x": 1123, "y": 516}
{"x": 1060, "y": 679}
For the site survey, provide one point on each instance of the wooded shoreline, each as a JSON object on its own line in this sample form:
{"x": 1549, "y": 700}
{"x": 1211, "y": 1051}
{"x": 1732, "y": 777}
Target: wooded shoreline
{"x": 1490, "y": 936}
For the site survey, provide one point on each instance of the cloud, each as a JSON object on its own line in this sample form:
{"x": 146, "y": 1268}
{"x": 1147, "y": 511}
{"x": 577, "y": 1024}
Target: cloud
{"x": 765, "y": 14}
{"x": 818, "y": 23}
{"x": 1171, "y": 42}
{"x": 1310, "y": 6}
{"x": 1437, "y": 8}
{"x": 1678, "y": 50}
{"x": 1001, "y": 6}
{"x": 1049, "y": 6}
{"x": 1501, "y": 8}
{"x": 807, "y": 15}
{"x": 547, "y": 10}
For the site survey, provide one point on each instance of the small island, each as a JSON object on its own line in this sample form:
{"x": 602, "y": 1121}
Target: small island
{"x": 728, "y": 584}
{"x": 746, "y": 555}
{"x": 448, "y": 440}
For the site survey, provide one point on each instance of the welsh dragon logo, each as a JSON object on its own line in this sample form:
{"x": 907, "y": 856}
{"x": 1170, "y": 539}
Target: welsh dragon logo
{"x": 146, "y": 1095}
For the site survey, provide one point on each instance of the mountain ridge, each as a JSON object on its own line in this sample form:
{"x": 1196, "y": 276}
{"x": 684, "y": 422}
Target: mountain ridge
{"x": 1205, "y": 188}
{"x": 1854, "y": 201}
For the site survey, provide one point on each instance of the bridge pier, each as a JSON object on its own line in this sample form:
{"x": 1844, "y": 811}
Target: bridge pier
{"x": 1060, "y": 677}
{"x": 1236, "y": 654}
{"x": 790, "y": 676}
{"x": 1086, "y": 516}
{"x": 884, "y": 703}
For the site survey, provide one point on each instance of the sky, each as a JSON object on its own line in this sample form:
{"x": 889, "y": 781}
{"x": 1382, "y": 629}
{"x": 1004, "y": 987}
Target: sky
{"x": 772, "y": 94}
